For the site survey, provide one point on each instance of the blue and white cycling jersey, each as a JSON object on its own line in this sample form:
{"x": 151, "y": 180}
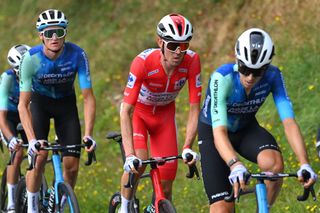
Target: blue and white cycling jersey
{"x": 9, "y": 91}
{"x": 227, "y": 104}
{"x": 54, "y": 78}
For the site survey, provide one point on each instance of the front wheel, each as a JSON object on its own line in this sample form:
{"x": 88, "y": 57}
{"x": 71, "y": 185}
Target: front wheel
{"x": 21, "y": 201}
{"x": 165, "y": 206}
{"x": 67, "y": 199}
{"x": 115, "y": 204}
{"x": 3, "y": 190}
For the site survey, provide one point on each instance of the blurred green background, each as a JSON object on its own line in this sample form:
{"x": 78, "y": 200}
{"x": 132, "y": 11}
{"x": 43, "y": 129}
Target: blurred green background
{"x": 114, "y": 32}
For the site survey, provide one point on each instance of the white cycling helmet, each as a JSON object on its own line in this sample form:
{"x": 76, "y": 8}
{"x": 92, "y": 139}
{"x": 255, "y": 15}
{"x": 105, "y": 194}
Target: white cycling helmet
{"x": 254, "y": 48}
{"x": 15, "y": 54}
{"x": 51, "y": 17}
{"x": 175, "y": 27}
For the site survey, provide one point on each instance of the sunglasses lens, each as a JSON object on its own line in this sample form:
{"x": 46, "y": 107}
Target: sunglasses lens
{"x": 255, "y": 72}
{"x": 172, "y": 46}
{"x": 59, "y": 33}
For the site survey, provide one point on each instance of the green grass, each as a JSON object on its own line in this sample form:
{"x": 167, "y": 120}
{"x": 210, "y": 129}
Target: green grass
{"x": 114, "y": 32}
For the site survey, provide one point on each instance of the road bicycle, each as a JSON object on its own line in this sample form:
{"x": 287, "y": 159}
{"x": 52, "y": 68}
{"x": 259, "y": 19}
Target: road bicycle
{"x": 261, "y": 190}
{"x": 3, "y": 186}
{"x": 162, "y": 205}
{"x": 60, "y": 197}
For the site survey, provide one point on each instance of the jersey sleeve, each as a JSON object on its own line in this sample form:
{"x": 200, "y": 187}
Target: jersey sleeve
{"x": 5, "y": 84}
{"x": 84, "y": 71}
{"x": 194, "y": 80}
{"x": 26, "y": 73}
{"x": 135, "y": 80}
{"x": 281, "y": 98}
{"x": 219, "y": 88}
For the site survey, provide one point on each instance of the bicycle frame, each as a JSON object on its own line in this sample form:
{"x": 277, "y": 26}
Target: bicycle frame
{"x": 58, "y": 177}
{"x": 261, "y": 196}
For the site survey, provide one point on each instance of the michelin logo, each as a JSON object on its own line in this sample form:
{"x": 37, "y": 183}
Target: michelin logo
{"x": 131, "y": 80}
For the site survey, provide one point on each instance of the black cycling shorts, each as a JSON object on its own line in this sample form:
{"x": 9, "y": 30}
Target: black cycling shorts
{"x": 13, "y": 120}
{"x": 64, "y": 112}
{"x": 248, "y": 142}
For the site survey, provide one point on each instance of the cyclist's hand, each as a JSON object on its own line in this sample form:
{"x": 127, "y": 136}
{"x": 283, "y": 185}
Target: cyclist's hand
{"x": 128, "y": 165}
{"x": 14, "y": 144}
{"x": 93, "y": 146}
{"x": 313, "y": 175}
{"x": 237, "y": 178}
{"x": 194, "y": 155}
{"x": 31, "y": 148}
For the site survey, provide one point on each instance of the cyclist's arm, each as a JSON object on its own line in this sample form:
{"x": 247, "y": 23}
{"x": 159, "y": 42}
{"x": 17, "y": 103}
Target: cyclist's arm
{"x": 5, "y": 84}
{"x": 286, "y": 113}
{"x": 195, "y": 88}
{"x": 295, "y": 139}
{"x": 192, "y": 124}
{"x": 25, "y": 114}
{"x": 89, "y": 110}
{"x": 25, "y": 82}
{"x": 220, "y": 87}
{"x": 126, "y": 111}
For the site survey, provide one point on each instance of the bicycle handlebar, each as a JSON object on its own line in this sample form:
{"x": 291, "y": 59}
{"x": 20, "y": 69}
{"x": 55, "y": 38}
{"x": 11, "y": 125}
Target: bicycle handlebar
{"x": 272, "y": 177}
{"x": 154, "y": 162}
{"x": 57, "y": 147}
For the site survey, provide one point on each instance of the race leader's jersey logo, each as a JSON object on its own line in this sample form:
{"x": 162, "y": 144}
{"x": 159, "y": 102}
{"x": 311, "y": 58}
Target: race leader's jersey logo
{"x": 131, "y": 80}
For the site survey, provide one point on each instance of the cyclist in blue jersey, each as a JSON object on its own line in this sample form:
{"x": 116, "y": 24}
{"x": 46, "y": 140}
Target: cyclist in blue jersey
{"x": 47, "y": 75}
{"x": 228, "y": 126}
{"x": 9, "y": 117}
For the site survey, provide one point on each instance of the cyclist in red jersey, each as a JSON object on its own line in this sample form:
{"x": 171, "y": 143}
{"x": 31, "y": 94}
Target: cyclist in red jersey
{"x": 155, "y": 79}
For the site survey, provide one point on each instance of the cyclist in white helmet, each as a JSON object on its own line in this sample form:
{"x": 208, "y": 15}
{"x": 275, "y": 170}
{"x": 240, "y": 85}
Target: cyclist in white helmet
{"x": 47, "y": 76}
{"x": 155, "y": 79}
{"x": 9, "y": 117}
{"x": 228, "y": 126}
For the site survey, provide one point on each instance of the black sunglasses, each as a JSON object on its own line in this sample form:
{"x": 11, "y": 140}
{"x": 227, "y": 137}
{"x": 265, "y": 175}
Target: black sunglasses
{"x": 246, "y": 71}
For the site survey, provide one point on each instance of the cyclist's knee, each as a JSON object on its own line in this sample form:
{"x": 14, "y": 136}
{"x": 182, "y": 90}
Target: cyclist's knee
{"x": 222, "y": 207}
{"x": 270, "y": 160}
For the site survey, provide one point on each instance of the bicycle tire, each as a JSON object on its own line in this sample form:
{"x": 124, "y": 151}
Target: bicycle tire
{"x": 115, "y": 204}
{"x": 3, "y": 191}
{"x": 21, "y": 202}
{"x": 71, "y": 204}
{"x": 165, "y": 206}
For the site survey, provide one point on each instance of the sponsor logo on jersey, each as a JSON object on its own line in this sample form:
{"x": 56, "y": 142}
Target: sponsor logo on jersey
{"x": 250, "y": 106}
{"x": 153, "y": 72}
{"x": 183, "y": 70}
{"x": 145, "y": 53}
{"x": 215, "y": 96}
{"x": 198, "y": 80}
{"x": 155, "y": 84}
{"x": 206, "y": 104}
{"x": 179, "y": 84}
{"x": 131, "y": 80}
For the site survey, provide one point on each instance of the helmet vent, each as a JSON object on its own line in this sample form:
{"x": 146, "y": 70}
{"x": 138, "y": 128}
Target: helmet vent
{"x": 180, "y": 29}
{"x": 254, "y": 56}
{"x": 187, "y": 29}
{"x": 263, "y": 56}
{"x": 51, "y": 13}
{"x": 45, "y": 17}
{"x": 172, "y": 30}
{"x": 272, "y": 53}
{"x": 59, "y": 14}
{"x": 238, "y": 48}
{"x": 246, "y": 53}
{"x": 10, "y": 59}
